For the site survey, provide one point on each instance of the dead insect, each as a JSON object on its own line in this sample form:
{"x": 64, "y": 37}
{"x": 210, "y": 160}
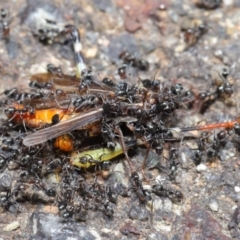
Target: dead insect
{"x": 88, "y": 158}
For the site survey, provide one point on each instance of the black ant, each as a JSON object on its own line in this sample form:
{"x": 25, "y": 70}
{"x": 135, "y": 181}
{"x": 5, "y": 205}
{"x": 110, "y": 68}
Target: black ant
{"x": 65, "y": 209}
{"x": 173, "y": 162}
{"x": 53, "y": 165}
{"x": 109, "y": 82}
{"x": 5, "y": 25}
{"x": 7, "y": 203}
{"x": 54, "y": 70}
{"x": 175, "y": 196}
{"x": 193, "y": 30}
{"x": 143, "y": 195}
{"x": 122, "y": 72}
{"x": 129, "y": 59}
{"x": 151, "y": 84}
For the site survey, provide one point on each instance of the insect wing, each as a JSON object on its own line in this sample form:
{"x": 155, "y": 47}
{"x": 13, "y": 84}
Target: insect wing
{"x": 61, "y": 128}
{"x": 63, "y": 82}
{"x": 46, "y": 102}
{"x": 69, "y": 84}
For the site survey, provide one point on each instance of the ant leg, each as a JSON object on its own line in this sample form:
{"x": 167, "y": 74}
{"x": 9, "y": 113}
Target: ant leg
{"x": 144, "y": 163}
{"x": 119, "y": 131}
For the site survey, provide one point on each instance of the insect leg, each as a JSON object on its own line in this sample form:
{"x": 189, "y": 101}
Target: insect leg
{"x": 122, "y": 142}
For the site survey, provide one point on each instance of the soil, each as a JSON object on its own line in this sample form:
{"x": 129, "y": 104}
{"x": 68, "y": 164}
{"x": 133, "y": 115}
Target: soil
{"x": 154, "y": 30}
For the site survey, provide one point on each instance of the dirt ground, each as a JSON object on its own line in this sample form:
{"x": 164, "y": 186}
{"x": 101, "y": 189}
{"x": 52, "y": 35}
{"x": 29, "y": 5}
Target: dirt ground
{"x": 153, "y": 30}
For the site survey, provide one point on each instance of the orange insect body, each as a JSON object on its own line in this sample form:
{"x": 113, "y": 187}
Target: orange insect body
{"x": 39, "y": 118}
{"x": 64, "y": 143}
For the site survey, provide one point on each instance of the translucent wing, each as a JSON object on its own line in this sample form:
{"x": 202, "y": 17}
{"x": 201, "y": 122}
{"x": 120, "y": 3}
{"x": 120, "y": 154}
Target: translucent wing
{"x": 79, "y": 121}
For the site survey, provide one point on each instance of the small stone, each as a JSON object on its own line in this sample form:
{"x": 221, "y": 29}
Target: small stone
{"x": 158, "y": 204}
{"x": 50, "y": 209}
{"x": 214, "y": 206}
{"x": 138, "y": 213}
{"x": 180, "y": 48}
{"x": 218, "y": 53}
{"x": 162, "y": 226}
{"x": 228, "y": 2}
{"x": 95, "y": 234}
{"x": 167, "y": 204}
{"x": 12, "y": 226}
{"x": 12, "y": 165}
{"x": 237, "y": 189}
{"x": 157, "y": 235}
{"x": 91, "y": 52}
{"x": 201, "y": 167}
{"x": 5, "y": 181}
{"x": 128, "y": 228}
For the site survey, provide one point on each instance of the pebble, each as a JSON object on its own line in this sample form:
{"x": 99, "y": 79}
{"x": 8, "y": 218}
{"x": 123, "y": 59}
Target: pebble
{"x": 138, "y": 213}
{"x": 201, "y": 167}
{"x": 161, "y": 226}
{"x": 5, "y": 181}
{"x": 95, "y": 234}
{"x": 214, "y": 205}
{"x": 237, "y": 189}
{"x": 118, "y": 174}
{"x": 228, "y": 2}
{"x": 11, "y": 226}
{"x": 157, "y": 235}
{"x": 50, "y": 209}
{"x": 91, "y": 52}
{"x": 158, "y": 204}
{"x": 167, "y": 204}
